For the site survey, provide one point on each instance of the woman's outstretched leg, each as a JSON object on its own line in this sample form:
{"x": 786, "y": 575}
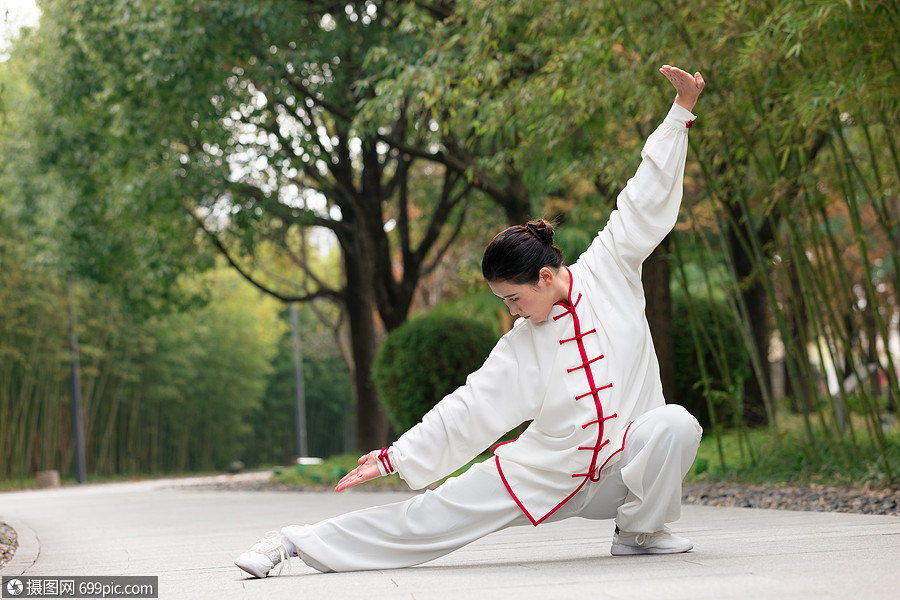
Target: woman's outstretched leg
{"x": 403, "y": 534}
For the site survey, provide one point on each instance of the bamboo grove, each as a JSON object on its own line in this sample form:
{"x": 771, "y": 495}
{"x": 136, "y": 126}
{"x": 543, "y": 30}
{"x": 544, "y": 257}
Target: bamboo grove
{"x": 191, "y": 390}
{"x": 801, "y": 209}
{"x": 172, "y": 393}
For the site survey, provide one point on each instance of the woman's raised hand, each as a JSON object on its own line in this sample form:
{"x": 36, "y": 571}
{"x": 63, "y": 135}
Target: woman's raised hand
{"x": 687, "y": 86}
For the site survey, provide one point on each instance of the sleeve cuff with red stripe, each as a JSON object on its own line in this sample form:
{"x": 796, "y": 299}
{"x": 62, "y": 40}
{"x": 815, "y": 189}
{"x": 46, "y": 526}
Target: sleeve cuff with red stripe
{"x": 384, "y": 462}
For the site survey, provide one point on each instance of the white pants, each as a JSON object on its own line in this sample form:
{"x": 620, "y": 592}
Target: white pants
{"x": 642, "y": 492}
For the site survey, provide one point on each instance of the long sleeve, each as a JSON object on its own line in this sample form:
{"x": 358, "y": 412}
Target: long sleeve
{"x": 647, "y": 209}
{"x": 464, "y": 423}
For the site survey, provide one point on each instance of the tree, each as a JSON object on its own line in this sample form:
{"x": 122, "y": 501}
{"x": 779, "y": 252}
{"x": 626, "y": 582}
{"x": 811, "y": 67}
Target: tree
{"x": 253, "y": 107}
{"x": 328, "y": 394}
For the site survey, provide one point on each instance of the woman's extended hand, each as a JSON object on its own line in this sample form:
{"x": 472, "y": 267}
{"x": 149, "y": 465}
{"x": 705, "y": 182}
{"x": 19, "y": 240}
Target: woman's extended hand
{"x": 367, "y": 469}
{"x": 687, "y": 86}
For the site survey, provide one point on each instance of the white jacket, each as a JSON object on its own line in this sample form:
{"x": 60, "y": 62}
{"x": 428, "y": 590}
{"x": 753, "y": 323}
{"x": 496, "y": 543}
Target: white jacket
{"x": 582, "y": 376}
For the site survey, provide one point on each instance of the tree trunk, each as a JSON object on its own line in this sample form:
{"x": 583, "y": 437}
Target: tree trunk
{"x": 517, "y": 205}
{"x": 754, "y": 298}
{"x": 372, "y": 429}
{"x": 656, "y": 279}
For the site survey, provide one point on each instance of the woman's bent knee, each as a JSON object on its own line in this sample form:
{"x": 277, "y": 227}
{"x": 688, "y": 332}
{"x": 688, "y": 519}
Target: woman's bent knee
{"x": 684, "y": 423}
{"x": 674, "y": 422}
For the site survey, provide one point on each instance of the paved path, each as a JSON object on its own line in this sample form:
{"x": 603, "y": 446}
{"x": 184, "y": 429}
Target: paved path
{"x": 188, "y": 537}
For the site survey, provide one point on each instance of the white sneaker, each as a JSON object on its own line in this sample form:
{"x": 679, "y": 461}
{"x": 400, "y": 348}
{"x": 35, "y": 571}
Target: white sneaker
{"x": 263, "y": 556}
{"x": 659, "y": 542}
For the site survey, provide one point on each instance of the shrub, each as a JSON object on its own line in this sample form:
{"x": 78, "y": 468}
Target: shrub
{"x": 724, "y": 356}
{"x": 425, "y": 359}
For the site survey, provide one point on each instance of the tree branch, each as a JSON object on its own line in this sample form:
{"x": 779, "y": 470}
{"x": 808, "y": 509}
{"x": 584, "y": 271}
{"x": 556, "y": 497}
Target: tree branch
{"x": 455, "y": 159}
{"x": 442, "y": 214}
{"x": 303, "y": 262}
{"x": 440, "y": 10}
{"x": 320, "y": 293}
{"x": 439, "y": 254}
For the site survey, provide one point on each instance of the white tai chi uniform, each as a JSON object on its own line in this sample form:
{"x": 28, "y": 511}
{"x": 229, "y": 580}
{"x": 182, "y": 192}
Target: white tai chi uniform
{"x": 602, "y": 442}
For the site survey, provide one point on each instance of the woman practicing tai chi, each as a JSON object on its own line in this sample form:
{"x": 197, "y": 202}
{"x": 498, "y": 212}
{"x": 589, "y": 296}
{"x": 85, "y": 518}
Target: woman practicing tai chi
{"x": 579, "y": 364}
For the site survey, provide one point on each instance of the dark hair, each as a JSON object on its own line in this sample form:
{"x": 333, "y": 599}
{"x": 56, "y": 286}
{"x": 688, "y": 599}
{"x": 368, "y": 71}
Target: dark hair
{"x": 518, "y": 253}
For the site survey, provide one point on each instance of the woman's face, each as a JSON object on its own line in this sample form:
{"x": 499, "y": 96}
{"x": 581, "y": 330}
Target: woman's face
{"x": 527, "y": 300}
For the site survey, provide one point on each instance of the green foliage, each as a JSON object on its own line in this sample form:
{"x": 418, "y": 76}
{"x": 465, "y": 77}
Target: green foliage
{"x": 118, "y": 116}
{"x": 326, "y": 475}
{"x": 425, "y": 359}
{"x": 519, "y": 81}
{"x": 480, "y": 307}
{"x": 208, "y": 369}
{"x": 171, "y": 393}
{"x": 328, "y": 399}
{"x": 791, "y": 459}
{"x": 709, "y": 325}
{"x": 88, "y": 188}
{"x": 240, "y": 116}
{"x": 32, "y": 377}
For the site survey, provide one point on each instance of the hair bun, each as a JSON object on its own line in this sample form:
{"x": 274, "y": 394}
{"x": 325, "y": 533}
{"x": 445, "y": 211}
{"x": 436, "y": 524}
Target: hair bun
{"x": 542, "y": 230}
{"x": 518, "y": 253}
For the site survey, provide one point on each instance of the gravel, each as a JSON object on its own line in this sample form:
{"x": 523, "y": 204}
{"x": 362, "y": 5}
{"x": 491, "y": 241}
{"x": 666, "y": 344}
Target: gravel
{"x": 870, "y": 501}
{"x": 8, "y": 543}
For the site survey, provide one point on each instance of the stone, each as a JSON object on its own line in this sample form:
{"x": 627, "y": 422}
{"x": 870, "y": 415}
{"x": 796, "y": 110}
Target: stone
{"x": 47, "y": 479}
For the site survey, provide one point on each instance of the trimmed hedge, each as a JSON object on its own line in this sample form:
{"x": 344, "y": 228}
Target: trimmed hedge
{"x": 425, "y": 359}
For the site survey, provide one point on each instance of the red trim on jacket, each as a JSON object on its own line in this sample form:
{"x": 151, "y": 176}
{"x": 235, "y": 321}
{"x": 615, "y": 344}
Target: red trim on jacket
{"x": 593, "y": 388}
{"x": 593, "y": 472}
{"x": 515, "y": 498}
{"x": 521, "y": 506}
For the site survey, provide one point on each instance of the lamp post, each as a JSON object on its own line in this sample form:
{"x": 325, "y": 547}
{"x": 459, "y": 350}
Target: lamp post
{"x": 75, "y": 383}
{"x": 302, "y": 448}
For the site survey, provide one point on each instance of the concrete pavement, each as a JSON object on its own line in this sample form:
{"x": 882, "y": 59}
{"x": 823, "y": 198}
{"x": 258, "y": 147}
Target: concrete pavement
{"x": 187, "y": 536}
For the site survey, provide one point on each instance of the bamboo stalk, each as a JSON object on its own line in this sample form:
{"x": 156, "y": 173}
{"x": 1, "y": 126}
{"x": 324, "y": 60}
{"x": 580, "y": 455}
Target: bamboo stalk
{"x": 861, "y": 244}
{"x": 697, "y": 333}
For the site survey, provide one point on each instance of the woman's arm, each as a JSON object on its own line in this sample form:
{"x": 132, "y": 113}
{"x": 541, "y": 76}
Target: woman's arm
{"x": 495, "y": 399}
{"x": 647, "y": 208}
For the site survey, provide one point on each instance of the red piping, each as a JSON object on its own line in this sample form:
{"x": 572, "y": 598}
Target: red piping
{"x": 515, "y": 498}
{"x": 588, "y": 371}
{"x": 593, "y": 473}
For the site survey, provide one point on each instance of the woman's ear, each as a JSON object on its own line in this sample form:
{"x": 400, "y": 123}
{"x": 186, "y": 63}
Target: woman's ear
{"x": 545, "y": 276}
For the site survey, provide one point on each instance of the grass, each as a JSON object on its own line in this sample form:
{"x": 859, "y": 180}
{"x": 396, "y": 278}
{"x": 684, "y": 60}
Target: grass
{"x": 11, "y": 485}
{"x": 761, "y": 458}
